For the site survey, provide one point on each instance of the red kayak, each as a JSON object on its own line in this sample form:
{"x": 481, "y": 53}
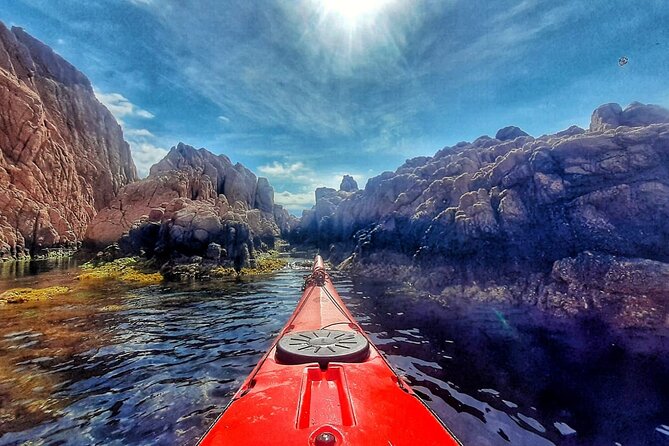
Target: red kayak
{"x": 323, "y": 383}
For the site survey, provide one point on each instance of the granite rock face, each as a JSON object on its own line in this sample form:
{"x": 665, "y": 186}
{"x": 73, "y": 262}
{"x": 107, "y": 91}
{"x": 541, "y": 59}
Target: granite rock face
{"x": 62, "y": 153}
{"x": 191, "y": 201}
{"x": 517, "y": 205}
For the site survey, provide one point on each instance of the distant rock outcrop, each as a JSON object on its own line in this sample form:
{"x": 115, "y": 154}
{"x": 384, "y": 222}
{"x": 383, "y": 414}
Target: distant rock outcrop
{"x": 509, "y": 133}
{"x": 62, "y": 153}
{"x": 193, "y": 203}
{"x": 610, "y": 116}
{"x": 518, "y": 204}
{"x": 348, "y": 184}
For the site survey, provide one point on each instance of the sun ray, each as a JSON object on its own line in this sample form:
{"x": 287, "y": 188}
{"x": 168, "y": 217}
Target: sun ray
{"x": 353, "y": 11}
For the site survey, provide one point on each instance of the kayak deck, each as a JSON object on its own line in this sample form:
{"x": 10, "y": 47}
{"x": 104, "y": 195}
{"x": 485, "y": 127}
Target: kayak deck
{"x": 324, "y": 401}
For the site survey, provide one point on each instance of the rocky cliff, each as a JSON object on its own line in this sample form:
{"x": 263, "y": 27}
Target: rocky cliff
{"x": 193, "y": 203}
{"x": 505, "y": 207}
{"x": 62, "y": 154}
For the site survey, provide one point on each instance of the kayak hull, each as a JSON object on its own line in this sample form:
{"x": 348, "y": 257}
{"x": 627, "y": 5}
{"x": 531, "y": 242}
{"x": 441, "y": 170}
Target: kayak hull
{"x": 325, "y": 402}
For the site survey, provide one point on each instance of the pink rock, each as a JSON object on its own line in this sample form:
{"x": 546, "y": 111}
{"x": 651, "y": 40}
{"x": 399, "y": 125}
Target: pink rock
{"x": 62, "y": 153}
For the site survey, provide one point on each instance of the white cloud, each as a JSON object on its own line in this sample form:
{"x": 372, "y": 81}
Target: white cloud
{"x": 144, "y": 114}
{"x": 277, "y": 169}
{"x": 295, "y": 201}
{"x": 302, "y": 182}
{"x": 121, "y": 107}
{"x": 138, "y": 133}
{"x": 224, "y": 119}
{"x": 146, "y": 155}
{"x": 145, "y": 151}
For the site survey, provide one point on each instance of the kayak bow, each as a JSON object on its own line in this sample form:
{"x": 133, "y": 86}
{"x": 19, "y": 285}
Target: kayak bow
{"x": 323, "y": 383}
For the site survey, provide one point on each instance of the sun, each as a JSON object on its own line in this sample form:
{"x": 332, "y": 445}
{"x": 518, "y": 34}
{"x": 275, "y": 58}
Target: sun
{"x": 352, "y": 11}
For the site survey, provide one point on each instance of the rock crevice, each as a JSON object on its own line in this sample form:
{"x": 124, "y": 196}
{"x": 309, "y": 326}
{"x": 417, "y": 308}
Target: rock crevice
{"x": 62, "y": 154}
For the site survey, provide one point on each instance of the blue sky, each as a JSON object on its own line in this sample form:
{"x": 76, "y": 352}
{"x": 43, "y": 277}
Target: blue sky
{"x": 303, "y": 91}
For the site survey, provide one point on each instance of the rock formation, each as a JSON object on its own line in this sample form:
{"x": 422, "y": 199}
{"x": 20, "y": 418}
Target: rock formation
{"x": 517, "y": 204}
{"x": 509, "y": 133}
{"x": 193, "y": 203}
{"x": 62, "y": 154}
{"x": 348, "y": 184}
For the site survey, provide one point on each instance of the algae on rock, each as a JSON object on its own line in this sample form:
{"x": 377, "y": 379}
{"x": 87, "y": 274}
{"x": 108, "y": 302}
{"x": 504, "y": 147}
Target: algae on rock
{"x": 127, "y": 269}
{"x": 21, "y": 295}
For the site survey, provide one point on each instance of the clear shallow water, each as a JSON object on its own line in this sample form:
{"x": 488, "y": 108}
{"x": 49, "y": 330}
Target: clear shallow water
{"x": 114, "y": 366}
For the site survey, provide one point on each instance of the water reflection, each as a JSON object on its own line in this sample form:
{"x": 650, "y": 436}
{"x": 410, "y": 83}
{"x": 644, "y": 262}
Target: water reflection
{"x": 10, "y": 271}
{"x": 109, "y": 365}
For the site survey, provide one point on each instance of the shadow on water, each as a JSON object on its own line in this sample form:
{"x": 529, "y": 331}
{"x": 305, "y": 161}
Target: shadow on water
{"x": 530, "y": 379}
{"x": 115, "y": 366}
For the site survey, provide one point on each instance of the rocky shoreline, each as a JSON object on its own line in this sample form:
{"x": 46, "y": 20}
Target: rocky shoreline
{"x": 194, "y": 214}
{"x": 624, "y": 292}
{"x": 573, "y": 222}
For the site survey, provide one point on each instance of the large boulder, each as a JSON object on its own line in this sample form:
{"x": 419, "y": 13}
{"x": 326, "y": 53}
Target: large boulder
{"x": 509, "y": 133}
{"x": 610, "y": 116}
{"x": 62, "y": 153}
{"x": 605, "y": 117}
{"x": 639, "y": 115}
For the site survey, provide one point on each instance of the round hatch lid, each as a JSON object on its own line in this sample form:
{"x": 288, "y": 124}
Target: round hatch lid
{"x": 322, "y": 346}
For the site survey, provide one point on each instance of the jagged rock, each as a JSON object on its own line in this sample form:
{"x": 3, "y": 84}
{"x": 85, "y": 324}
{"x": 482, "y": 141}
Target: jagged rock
{"x": 264, "y": 196}
{"x": 183, "y": 209}
{"x": 509, "y": 133}
{"x": 348, "y": 184}
{"x": 323, "y": 192}
{"x": 518, "y": 220}
{"x": 286, "y": 222}
{"x": 521, "y": 201}
{"x": 62, "y": 154}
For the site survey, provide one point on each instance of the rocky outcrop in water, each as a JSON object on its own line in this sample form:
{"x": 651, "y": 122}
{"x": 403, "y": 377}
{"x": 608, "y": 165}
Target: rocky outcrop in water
{"x": 62, "y": 153}
{"x": 496, "y": 209}
{"x": 193, "y": 204}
